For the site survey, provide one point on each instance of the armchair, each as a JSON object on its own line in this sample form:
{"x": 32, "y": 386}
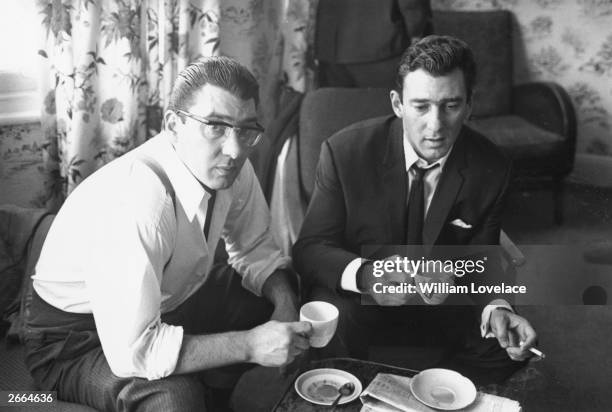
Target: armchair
{"x": 534, "y": 123}
{"x": 326, "y": 111}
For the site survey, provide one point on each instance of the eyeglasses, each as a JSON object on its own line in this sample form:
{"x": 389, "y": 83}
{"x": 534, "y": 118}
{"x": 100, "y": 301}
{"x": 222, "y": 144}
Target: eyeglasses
{"x": 216, "y": 129}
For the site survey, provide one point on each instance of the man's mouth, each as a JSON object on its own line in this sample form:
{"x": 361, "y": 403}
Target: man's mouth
{"x": 225, "y": 170}
{"x": 435, "y": 141}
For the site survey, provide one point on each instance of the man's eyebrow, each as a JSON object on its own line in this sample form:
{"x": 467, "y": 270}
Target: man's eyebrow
{"x": 230, "y": 119}
{"x": 456, "y": 99}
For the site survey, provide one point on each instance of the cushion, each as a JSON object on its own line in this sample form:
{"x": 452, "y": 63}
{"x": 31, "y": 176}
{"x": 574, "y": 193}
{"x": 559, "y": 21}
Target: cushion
{"x": 518, "y": 137}
{"x": 533, "y": 149}
{"x": 489, "y": 34}
{"x": 327, "y": 110}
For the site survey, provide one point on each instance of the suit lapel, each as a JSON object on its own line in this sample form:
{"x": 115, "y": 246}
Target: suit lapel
{"x": 393, "y": 180}
{"x": 446, "y": 192}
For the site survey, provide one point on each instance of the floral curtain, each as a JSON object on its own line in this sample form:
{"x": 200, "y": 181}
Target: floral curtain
{"x": 109, "y": 68}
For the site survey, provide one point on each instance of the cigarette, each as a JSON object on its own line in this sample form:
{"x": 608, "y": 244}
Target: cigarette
{"x": 537, "y": 352}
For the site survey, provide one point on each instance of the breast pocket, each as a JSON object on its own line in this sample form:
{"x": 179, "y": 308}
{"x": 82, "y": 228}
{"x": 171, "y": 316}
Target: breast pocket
{"x": 456, "y": 235}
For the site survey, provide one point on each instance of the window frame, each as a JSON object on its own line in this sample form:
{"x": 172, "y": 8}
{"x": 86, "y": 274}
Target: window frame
{"x": 20, "y": 100}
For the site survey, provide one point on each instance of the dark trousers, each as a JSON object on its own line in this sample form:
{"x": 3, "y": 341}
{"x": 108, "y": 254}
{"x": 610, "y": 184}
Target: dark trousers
{"x": 63, "y": 351}
{"x": 455, "y": 329}
{"x": 369, "y": 74}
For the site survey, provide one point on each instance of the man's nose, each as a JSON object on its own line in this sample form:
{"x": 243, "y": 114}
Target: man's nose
{"x": 232, "y": 146}
{"x": 435, "y": 118}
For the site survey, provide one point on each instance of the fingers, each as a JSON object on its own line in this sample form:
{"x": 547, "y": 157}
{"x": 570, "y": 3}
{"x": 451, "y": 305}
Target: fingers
{"x": 528, "y": 338}
{"x": 292, "y": 353}
{"x": 299, "y": 337}
{"x": 301, "y": 328}
{"x": 513, "y": 339}
{"x": 396, "y": 278}
{"x": 526, "y": 331}
{"x": 301, "y": 342}
{"x": 528, "y": 335}
{"x": 517, "y": 354}
{"x": 298, "y": 345}
{"x": 499, "y": 325}
{"x": 523, "y": 337}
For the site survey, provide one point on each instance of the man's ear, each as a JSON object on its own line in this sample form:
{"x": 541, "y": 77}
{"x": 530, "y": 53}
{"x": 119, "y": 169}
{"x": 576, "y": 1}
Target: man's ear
{"x": 171, "y": 121}
{"x": 469, "y": 106}
{"x": 396, "y": 103}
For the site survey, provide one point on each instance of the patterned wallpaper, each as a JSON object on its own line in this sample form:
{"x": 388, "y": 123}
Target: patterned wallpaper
{"x": 568, "y": 42}
{"x": 21, "y": 165}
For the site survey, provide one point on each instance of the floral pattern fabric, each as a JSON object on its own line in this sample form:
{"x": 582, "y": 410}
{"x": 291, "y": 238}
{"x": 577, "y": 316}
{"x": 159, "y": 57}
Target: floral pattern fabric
{"x": 111, "y": 66}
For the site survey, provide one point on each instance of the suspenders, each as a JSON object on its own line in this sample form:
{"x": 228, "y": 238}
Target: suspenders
{"x": 163, "y": 177}
{"x": 161, "y": 174}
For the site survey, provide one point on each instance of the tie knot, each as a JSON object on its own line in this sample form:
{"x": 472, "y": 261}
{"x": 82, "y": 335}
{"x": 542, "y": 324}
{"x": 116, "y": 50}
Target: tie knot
{"x": 419, "y": 172}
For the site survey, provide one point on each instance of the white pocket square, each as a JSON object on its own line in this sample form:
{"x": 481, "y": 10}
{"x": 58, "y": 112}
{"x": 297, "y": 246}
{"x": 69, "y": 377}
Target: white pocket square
{"x": 460, "y": 223}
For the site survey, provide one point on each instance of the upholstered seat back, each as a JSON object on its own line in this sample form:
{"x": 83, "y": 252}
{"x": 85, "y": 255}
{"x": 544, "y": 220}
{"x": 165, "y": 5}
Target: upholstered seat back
{"x": 324, "y": 112}
{"x": 489, "y": 35}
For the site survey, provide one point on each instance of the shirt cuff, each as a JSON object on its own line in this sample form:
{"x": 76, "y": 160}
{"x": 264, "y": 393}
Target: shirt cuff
{"x": 164, "y": 352}
{"x": 348, "y": 281}
{"x": 485, "y": 329}
{"x": 154, "y": 355}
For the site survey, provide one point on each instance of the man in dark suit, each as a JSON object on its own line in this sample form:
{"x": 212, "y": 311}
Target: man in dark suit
{"x": 421, "y": 178}
{"x": 358, "y": 43}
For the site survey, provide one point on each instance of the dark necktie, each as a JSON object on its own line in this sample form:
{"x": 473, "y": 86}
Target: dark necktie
{"x": 416, "y": 206}
{"x": 209, "y": 210}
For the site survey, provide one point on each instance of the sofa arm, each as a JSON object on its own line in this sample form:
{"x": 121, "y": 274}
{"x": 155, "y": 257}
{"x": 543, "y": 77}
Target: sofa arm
{"x": 547, "y": 105}
{"x": 510, "y": 251}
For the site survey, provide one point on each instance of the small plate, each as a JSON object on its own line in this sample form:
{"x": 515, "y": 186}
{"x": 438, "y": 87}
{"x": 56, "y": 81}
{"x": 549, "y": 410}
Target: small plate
{"x": 443, "y": 389}
{"x": 321, "y": 386}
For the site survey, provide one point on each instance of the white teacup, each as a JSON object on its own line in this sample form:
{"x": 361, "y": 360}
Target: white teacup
{"x": 323, "y": 317}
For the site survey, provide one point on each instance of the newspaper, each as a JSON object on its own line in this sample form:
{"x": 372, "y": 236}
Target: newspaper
{"x": 391, "y": 393}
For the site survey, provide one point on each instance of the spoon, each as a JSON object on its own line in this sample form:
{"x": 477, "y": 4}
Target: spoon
{"x": 345, "y": 390}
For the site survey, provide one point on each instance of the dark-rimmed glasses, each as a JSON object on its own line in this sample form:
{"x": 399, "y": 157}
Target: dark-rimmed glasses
{"x": 217, "y": 129}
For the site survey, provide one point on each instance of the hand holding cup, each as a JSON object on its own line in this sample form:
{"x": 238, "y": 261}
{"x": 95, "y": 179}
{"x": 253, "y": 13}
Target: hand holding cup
{"x": 323, "y": 317}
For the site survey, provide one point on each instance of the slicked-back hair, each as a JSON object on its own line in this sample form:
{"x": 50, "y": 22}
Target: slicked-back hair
{"x": 217, "y": 70}
{"x": 438, "y": 56}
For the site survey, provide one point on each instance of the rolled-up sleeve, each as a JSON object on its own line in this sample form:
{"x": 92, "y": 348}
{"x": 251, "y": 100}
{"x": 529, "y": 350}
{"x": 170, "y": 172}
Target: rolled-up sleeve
{"x": 124, "y": 285}
{"x": 252, "y": 251}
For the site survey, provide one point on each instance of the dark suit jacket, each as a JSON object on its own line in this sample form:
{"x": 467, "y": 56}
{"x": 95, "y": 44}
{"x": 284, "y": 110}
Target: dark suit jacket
{"x": 357, "y": 31}
{"x": 360, "y": 199}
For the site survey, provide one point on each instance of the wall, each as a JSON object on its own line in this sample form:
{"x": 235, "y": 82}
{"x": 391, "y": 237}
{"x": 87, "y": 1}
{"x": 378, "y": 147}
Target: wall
{"x": 569, "y": 42}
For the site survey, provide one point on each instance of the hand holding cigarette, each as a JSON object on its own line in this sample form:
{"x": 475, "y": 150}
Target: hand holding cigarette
{"x": 534, "y": 350}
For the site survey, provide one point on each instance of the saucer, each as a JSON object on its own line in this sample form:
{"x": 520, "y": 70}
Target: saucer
{"x": 443, "y": 389}
{"x": 321, "y": 386}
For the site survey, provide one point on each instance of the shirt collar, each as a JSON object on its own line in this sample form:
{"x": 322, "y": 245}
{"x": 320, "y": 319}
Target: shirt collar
{"x": 188, "y": 190}
{"x": 412, "y": 157}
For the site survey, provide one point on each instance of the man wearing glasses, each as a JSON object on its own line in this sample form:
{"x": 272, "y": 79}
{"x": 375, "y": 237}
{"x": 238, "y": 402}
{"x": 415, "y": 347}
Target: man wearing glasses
{"x": 128, "y": 305}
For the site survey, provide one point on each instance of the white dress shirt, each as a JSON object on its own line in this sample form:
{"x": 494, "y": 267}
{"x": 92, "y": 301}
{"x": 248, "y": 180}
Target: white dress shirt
{"x": 120, "y": 249}
{"x": 348, "y": 280}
